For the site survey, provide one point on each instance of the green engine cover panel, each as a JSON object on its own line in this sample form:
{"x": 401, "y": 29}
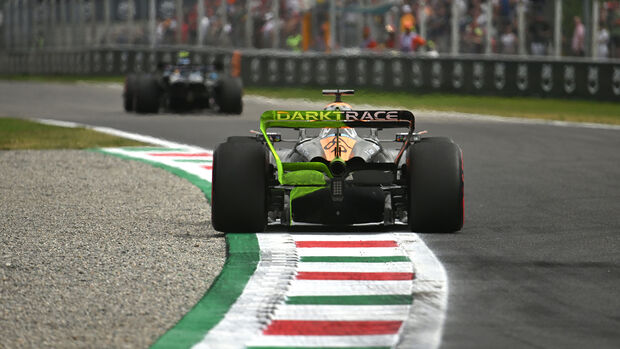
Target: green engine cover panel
{"x": 304, "y": 177}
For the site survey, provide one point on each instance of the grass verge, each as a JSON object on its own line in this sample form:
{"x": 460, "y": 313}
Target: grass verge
{"x": 525, "y": 107}
{"x": 24, "y": 134}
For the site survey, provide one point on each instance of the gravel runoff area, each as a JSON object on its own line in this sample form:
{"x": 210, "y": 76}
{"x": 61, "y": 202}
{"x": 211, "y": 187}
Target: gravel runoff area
{"x": 98, "y": 252}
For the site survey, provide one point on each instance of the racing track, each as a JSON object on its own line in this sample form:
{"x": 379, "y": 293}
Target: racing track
{"x": 538, "y": 262}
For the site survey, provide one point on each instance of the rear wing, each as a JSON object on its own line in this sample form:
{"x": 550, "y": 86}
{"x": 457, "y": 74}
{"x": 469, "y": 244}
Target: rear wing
{"x": 337, "y": 118}
{"x": 333, "y": 119}
{"x": 338, "y": 93}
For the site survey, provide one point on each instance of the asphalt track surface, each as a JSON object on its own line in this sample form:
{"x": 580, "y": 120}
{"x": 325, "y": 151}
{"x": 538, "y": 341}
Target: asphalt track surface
{"x": 538, "y": 261}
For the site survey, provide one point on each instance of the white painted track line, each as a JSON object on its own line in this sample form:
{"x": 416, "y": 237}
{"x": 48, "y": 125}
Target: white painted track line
{"x": 348, "y": 287}
{"x": 325, "y": 341}
{"x": 390, "y": 267}
{"x": 342, "y": 312}
{"x": 119, "y": 133}
{"x": 424, "y": 327}
{"x": 344, "y": 237}
{"x": 351, "y": 252}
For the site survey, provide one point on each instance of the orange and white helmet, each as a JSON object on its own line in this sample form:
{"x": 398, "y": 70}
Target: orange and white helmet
{"x": 338, "y": 106}
{"x": 348, "y": 132}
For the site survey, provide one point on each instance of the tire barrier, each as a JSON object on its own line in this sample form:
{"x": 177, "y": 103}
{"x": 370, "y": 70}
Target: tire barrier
{"x": 481, "y": 75}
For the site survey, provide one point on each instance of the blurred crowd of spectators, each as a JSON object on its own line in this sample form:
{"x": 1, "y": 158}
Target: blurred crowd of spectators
{"x": 410, "y": 26}
{"x": 379, "y": 25}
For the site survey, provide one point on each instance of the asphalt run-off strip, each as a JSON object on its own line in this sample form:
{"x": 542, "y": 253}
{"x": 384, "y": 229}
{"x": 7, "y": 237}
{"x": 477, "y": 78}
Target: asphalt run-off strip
{"x": 332, "y": 290}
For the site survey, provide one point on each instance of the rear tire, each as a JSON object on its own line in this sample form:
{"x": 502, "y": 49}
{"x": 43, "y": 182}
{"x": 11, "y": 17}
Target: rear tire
{"x": 436, "y": 186}
{"x": 147, "y": 94}
{"x": 238, "y": 196}
{"x": 128, "y": 94}
{"x": 228, "y": 95}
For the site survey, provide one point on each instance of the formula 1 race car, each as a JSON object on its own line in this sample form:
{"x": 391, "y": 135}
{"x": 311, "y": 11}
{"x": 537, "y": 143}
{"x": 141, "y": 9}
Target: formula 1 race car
{"x": 182, "y": 87}
{"x": 338, "y": 177}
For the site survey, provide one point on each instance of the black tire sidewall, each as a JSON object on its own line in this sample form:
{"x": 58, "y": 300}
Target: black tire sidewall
{"x": 229, "y": 95}
{"x": 147, "y": 94}
{"x": 239, "y": 187}
{"x": 436, "y": 185}
{"x": 128, "y": 95}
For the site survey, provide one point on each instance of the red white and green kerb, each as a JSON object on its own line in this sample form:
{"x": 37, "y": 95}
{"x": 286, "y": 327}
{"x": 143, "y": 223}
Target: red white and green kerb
{"x": 326, "y": 290}
{"x": 192, "y": 160}
{"x": 348, "y": 290}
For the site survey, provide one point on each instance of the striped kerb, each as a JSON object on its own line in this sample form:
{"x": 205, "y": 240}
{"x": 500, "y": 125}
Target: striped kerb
{"x": 348, "y": 259}
{"x": 330, "y": 347}
{"x": 345, "y": 244}
{"x": 398, "y": 299}
{"x": 331, "y": 328}
{"x": 378, "y": 313}
{"x": 326, "y": 275}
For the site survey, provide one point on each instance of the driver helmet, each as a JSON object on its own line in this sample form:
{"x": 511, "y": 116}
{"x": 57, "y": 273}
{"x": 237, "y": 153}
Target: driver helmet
{"x": 347, "y": 131}
{"x": 183, "y": 58}
{"x": 338, "y": 106}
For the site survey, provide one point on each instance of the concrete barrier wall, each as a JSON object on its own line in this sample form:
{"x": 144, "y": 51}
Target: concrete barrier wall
{"x": 502, "y": 76}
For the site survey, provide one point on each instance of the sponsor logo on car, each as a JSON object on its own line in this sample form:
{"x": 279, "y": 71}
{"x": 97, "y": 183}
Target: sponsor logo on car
{"x": 309, "y": 115}
{"x": 334, "y": 115}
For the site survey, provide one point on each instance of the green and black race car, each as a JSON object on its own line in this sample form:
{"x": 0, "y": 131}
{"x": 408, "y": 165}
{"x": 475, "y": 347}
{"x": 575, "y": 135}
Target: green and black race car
{"x": 338, "y": 177}
{"x": 183, "y": 87}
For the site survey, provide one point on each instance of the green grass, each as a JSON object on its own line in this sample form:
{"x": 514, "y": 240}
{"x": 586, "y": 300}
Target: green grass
{"x": 68, "y": 79}
{"x": 526, "y": 107}
{"x": 24, "y": 134}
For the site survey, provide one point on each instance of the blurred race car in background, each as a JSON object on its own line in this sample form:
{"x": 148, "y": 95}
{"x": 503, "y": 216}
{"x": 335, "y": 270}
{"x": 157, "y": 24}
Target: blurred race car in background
{"x": 338, "y": 177}
{"x": 183, "y": 87}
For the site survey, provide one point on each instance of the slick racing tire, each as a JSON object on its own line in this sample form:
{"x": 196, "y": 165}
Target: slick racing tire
{"x": 147, "y": 94}
{"x": 436, "y": 186}
{"x": 228, "y": 95}
{"x": 238, "y": 196}
{"x": 128, "y": 94}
